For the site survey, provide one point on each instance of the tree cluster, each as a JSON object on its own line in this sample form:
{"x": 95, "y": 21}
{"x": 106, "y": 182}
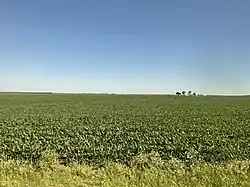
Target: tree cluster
{"x": 186, "y": 93}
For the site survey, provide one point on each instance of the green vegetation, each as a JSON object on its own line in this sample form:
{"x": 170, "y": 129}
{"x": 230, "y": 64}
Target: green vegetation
{"x": 203, "y": 133}
{"x": 49, "y": 173}
{"x": 100, "y": 128}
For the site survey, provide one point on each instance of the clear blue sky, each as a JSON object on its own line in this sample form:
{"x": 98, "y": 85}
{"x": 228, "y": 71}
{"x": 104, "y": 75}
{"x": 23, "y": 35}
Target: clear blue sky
{"x": 125, "y": 46}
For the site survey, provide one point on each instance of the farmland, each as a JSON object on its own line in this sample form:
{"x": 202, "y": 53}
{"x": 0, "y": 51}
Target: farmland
{"x": 97, "y": 129}
{"x": 124, "y": 140}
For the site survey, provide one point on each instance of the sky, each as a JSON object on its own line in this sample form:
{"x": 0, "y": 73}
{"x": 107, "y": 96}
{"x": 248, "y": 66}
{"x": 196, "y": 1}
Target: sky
{"x": 125, "y": 46}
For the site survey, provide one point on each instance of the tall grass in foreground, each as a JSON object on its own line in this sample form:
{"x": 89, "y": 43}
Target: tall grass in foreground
{"x": 172, "y": 173}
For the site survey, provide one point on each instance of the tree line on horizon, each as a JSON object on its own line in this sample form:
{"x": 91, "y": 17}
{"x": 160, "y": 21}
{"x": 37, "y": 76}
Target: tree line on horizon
{"x": 189, "y": 93}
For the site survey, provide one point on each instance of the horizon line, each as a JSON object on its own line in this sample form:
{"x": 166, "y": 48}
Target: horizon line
{"x": 107, "y": 93}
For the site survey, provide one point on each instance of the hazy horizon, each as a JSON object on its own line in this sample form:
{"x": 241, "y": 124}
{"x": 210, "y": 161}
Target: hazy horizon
{"x": 97, "y": 46}
{"x": 103, "y": 93}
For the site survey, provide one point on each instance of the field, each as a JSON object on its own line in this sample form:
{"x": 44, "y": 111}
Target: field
{"x": 124, "y": 129}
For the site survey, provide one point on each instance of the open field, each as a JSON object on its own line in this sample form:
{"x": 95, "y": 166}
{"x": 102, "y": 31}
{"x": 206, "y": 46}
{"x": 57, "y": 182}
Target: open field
{"x": 125, "y": 129}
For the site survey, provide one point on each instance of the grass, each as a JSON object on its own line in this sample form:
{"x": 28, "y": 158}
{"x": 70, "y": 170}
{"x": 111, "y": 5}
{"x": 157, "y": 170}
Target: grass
{"x": 50, "y": 173}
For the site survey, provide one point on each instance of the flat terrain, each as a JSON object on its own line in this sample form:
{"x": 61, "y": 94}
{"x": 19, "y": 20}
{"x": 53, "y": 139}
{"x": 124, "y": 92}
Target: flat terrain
{"x": 97, "y": 128}
{"x": 125, "y": 129}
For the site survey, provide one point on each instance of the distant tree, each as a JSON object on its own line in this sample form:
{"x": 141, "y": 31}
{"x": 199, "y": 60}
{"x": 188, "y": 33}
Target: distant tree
{"x": 189, "y": 92}
{"x": 183, "y": 92}
{"x": 194, "y": 94}
{"x": 178, "y": 93}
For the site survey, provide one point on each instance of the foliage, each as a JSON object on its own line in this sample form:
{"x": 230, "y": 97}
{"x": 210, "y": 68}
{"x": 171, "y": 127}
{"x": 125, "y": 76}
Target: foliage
{"x": 101, "y": 128}
{"x": 112, "y": 174}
